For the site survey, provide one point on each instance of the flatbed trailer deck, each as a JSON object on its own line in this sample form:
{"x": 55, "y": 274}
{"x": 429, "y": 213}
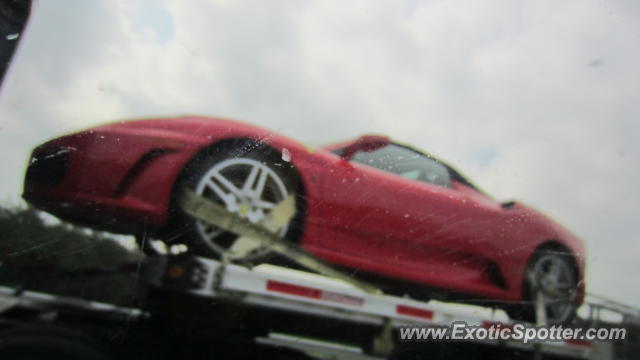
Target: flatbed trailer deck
{"x": 194, "y": 306}
{"x": 197, "y": 306}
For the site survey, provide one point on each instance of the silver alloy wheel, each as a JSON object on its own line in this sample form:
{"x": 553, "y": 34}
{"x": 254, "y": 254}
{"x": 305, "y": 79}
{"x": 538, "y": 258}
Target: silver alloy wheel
{"x": 244, "y": 186}
{"x": 554, "y": 278}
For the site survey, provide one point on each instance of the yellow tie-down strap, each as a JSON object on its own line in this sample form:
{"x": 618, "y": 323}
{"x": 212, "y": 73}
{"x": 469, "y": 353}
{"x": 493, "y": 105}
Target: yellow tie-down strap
{"x": 263, "y": 234}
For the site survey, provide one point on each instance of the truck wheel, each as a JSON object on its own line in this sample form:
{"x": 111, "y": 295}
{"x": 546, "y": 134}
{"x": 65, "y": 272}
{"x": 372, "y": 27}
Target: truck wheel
{"x": 46, "y": 346}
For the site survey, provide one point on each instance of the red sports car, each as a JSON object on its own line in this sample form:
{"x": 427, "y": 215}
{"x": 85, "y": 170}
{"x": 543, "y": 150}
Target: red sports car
{"x": 394, "y": 214}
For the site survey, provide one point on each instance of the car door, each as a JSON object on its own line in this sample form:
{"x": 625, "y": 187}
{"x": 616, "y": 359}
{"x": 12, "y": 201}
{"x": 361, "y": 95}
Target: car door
{"x": 395, "y": 210}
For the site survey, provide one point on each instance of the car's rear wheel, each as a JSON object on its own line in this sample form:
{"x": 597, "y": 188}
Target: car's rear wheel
{"x": 552, "y": 278}
{"x": 248, "y": 179}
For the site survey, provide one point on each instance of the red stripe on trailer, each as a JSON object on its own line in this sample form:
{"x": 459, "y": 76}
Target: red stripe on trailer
{"x": 414, "y": 311}
{"x": 578, "y": 342}
{"x": 292, "y": 289}
{"x": 313, "y": 293}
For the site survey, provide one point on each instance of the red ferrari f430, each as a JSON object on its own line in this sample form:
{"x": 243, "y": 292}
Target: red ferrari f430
{"x": 384, "y": 210}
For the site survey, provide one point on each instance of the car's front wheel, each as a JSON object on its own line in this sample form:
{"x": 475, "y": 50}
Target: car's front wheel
{"x": 248, "y": 179}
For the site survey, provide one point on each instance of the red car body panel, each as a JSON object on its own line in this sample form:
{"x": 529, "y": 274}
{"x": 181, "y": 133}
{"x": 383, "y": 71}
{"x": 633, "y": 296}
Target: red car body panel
{"x": 356, "y": 216}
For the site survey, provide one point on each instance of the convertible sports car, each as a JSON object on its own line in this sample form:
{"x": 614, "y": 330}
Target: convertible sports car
{"x": 390, "y": 212}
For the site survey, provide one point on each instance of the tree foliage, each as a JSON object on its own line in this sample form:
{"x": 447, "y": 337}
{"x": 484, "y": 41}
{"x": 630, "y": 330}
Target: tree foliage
{"x": 61, "y": 258}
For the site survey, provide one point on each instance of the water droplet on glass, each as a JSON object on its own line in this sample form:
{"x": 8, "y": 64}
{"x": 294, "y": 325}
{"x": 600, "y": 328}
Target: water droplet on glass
{"x": 286, "y": 155}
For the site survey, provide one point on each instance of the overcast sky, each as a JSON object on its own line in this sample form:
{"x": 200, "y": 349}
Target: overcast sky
{"x": 534, "y": 100}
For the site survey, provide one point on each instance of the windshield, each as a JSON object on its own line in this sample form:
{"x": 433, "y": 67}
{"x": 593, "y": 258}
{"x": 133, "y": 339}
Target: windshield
{"x": 408, "y": 163}
{"x": 162, "y": 195}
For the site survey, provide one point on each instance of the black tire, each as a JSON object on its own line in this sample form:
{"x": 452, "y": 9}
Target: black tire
{"x": 37, "y": 345}
{"x": 564, "y": 300}
{"x": 185, "y": 230}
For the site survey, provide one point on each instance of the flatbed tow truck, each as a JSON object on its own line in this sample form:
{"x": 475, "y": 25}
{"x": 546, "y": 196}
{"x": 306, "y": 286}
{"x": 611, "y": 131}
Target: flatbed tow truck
{"x": 199, "y": 307}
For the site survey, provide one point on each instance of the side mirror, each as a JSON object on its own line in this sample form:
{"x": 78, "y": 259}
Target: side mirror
{"x": 366, "y": 143}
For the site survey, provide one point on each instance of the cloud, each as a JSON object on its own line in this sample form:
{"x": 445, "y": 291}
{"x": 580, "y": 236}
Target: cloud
{"x": 507, "y": 92}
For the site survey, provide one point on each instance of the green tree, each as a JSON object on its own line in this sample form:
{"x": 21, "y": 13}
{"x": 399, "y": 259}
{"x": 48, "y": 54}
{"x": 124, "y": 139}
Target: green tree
{"x": 60, "y": 258}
